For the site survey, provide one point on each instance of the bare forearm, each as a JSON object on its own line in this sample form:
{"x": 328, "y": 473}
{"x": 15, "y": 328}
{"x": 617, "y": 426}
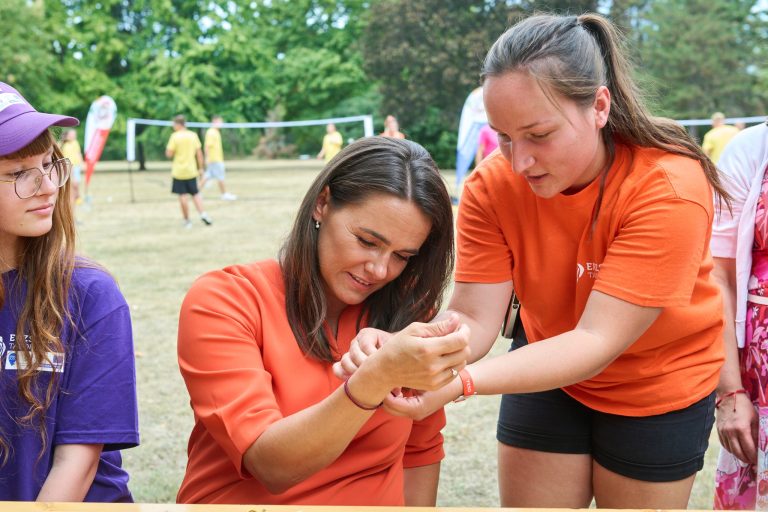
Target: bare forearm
{"x": 482, "y": 308}
{"x": 482, "y": 338}
{"x": 300, "y": 445}
{"x": 420, "y": 485}
{"x": 730, "y": 373}
{"x": 724, "y": 274}
{"x": 559, "y": 361}
{"x": 72, "y": 473}
{"x": 419, "y": 357}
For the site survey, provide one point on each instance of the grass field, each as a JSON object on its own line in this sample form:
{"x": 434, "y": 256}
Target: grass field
{"x": 155, "y": 260}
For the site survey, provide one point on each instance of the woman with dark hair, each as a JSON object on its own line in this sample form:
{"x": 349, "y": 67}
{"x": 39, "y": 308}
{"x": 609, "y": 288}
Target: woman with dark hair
{"x": 372, "y": 245}
{"x": 599, "y": 217}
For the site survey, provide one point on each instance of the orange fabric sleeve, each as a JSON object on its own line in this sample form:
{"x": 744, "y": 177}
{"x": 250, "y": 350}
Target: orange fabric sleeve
{"x": 656, "y": 256}
{"x": 221, "y": 362}
{"x": 425, "y": 444}
{"x": 483, "y": 253}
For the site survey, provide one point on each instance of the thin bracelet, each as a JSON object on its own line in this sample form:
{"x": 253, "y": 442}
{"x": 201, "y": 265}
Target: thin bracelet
{"x": 720, "y": 399}
{"x": 354, "y": 400}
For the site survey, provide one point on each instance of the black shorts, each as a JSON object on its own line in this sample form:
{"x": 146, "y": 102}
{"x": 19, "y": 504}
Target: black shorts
{"x": 662, "y": 448}
{"x": 184, "y": 186}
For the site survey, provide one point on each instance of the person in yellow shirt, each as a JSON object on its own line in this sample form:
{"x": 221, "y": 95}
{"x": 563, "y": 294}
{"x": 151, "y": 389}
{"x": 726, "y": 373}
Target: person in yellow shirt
{"x": 214, "y": 158}
{"x": 717, "y": 138}
{"x": 70, "y": 148}
{"x": 186, "y": 151}
{"x": 332, "y": 143}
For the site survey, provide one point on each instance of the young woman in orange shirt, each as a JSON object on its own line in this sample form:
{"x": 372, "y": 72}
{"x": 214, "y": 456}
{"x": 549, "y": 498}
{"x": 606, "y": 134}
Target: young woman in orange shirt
{"x": 599, "y": 217}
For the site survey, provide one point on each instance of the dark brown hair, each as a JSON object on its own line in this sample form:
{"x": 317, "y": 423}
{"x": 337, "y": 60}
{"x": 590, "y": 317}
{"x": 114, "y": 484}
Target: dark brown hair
{"x": 45, "y": 263}
{"x": 373, "y": 165}
{"x": 574, "y": 56}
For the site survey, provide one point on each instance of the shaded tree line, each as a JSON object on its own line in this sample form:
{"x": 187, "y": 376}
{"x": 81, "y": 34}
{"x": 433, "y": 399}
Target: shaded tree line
{"x": 253, "y": 60}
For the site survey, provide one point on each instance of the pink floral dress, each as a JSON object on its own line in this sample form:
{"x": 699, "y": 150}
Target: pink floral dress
{"x": 740, "y": 486}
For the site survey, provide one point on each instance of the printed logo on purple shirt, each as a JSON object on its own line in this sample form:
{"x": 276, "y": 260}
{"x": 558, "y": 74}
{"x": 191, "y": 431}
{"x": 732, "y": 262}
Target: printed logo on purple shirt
{"x": 54, "y": 362}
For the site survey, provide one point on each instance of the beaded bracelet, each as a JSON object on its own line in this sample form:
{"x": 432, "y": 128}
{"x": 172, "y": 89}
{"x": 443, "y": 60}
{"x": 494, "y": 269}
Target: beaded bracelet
{"x": 720, "y": 399}
{"x": 354, "y": 400}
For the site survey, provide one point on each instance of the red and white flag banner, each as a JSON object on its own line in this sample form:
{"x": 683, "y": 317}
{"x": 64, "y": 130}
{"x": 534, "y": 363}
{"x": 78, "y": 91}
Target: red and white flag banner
{"x": 101, "y": 117}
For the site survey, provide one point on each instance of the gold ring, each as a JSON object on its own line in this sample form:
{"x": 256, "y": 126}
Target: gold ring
{"x": 454, "y": 373}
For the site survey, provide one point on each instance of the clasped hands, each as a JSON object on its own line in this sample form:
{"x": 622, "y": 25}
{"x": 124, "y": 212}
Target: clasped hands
{"x": 413, "y": 363}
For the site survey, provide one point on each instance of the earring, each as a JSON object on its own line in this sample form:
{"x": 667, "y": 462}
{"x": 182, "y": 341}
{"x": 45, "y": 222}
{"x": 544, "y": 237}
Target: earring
{"x": 317, "y": 224}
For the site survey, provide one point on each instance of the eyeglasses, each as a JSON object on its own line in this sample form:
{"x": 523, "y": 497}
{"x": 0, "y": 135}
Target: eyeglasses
{"x": 27, "y": 182}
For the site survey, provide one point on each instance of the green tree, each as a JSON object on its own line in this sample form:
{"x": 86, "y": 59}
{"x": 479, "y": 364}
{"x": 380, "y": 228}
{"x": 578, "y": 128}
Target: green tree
{"x": 573, "y": 7}
{"x": 317, "y": 70}
{"x": 156, "y": 58}
{"x": 26, "y": 52}
{"x": 704, "y": 56}
{"x": 426, "y": 57}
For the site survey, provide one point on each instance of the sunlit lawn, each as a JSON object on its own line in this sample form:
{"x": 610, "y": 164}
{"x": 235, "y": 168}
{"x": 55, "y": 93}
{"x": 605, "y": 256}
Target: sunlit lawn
{"x": 155, "y": 260}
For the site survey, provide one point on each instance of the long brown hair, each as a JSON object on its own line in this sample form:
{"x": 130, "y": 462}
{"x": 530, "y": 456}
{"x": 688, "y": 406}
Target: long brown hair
{"x": 372, "y": 165}
{"x": 574, "y": 56}
{"x": 45, "y": 263}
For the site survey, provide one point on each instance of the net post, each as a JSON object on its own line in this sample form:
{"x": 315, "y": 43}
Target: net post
{"x": 130, "y": 140}
{"x": 368, "y": 126}
{"x": 130, "y": 181}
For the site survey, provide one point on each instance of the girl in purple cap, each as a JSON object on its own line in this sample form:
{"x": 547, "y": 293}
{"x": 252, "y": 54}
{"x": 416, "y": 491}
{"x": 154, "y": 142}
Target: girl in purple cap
{"x": 67, "y": 377}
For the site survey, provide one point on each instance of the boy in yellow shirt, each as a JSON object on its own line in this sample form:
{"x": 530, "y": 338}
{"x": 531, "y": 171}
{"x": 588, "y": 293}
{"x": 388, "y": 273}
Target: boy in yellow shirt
{"x": 214, "y": 158}
{"x": 185, "y": 149}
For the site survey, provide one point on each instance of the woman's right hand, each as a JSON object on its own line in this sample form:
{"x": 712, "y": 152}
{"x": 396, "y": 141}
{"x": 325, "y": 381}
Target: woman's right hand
{"x": 369, "y": 340}
{"x": 737, "y": 427}
{"x": 422, "y": 356}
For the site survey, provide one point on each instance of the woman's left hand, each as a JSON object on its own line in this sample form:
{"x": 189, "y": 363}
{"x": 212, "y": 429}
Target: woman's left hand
{"x": 737, "y": 427}
{"x": 367, "y": 342}
{"x": 417, "y": 405}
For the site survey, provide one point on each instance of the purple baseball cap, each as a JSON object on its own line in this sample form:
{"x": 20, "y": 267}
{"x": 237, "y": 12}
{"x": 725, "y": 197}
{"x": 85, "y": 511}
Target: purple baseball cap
{"x": 20, "y": 123}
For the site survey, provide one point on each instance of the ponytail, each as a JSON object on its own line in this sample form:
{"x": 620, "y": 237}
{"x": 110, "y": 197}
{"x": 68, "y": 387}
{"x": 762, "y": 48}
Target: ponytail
{"x": 574, "y": 56}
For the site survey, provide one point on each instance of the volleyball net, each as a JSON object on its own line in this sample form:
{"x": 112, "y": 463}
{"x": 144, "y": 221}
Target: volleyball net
{"x": 351, "y": 127}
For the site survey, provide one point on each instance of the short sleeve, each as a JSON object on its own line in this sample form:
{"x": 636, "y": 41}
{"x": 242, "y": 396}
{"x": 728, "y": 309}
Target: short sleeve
{"x": 220, "y": 358}
{"x": 655, "y": 258}
{"x": 198, "y": 145}
{"x": 171, "y": 146}
{"x": 707, "y": 144}
{"x": 737, "y": 170}
{"x": 425, "y": 444}
{"x": 97, "y": 403}
{"x": 483, "y": 255}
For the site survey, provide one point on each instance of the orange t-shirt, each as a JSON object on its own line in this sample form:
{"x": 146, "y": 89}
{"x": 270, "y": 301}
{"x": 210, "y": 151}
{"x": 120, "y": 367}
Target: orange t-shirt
{"x": 650, "y": 247}
{"x": 244, "y": 371}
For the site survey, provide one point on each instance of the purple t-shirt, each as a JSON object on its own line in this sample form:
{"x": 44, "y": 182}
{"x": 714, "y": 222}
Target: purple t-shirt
{"x": 96, "y": 399}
